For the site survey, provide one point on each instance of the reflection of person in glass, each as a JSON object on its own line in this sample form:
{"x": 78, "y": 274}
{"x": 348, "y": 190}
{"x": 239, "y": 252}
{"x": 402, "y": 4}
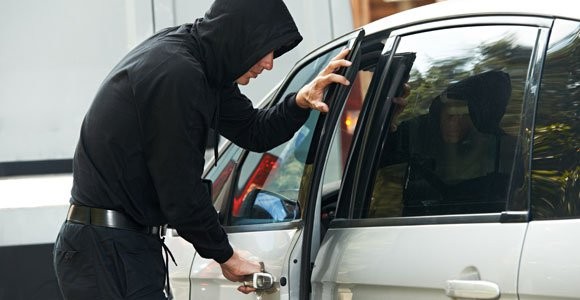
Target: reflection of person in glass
{"x": 467, "y": 116}
{"x": 458, "y": 151}
{"x": 455, "y": 121}
{"x": 458, "y": 148}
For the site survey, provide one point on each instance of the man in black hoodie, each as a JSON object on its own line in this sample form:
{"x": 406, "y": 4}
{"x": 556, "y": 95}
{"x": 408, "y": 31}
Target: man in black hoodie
{"x": 140, "y": 156}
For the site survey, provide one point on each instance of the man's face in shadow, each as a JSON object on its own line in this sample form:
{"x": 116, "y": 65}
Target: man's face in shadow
{"x": 455, "y": 122}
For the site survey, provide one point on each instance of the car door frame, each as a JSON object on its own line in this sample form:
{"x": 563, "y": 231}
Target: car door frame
{"x": 354, "y": 184}
{"x": 336, "y": 99}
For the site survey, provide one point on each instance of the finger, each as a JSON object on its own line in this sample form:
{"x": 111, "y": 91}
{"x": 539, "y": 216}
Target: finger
{"x": 406, "y": 90}
{"x": 250, "y": 267}
{"x": 234, "y": 277}
{"x": 246, "y": 289}
{"x": 320, "y": 106}
{"x": 333, "y": 78}
{"x": 334, "y": 65}
{"x": 342, "y": 54}
{"x": 400, "y": 101}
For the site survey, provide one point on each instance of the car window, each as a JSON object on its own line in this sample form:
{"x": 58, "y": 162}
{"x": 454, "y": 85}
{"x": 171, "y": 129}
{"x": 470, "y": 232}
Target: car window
{"x": 343, "y": 138}
{"x": 269, "y": 183}
{"x": 221, "y": 176}
{"x": 348, "y": 120}
{"x": 452, "y": 149}
{"x": 555, "y": 188}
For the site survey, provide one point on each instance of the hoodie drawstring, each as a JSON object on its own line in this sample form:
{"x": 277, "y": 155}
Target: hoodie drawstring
{"x": 167, "y": 255}
{"x": 216, "y": 136}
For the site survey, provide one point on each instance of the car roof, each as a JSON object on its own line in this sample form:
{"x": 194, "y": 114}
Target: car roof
{"x": 465, "y": 8}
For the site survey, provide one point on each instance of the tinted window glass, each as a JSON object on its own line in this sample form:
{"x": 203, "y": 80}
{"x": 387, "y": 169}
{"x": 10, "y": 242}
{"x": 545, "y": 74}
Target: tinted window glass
{"x": 342, "y": 140}
{"x": 269, "y": 183}
{"x": 555, "y": 171}
{"x": 453, "y": 148}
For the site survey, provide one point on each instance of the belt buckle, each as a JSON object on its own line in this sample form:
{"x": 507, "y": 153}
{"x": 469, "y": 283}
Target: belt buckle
{"x": 159, "y": 230}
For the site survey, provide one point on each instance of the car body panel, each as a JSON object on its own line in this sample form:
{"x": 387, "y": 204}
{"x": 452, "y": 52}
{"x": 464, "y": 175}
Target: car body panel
{"x": 270, "y": 247}
{"x": 550, "y": 265}
{"x": 415, "y": 262}
{"x": 183, "y": 253}
{"x": 459, "y": 8}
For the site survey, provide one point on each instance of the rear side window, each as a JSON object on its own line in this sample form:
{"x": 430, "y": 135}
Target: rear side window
{"x": 556, "y": 152}
{"x": 269, "y": 183}
{"x": 453, "y": 148}
{"x": 222, "y": 177}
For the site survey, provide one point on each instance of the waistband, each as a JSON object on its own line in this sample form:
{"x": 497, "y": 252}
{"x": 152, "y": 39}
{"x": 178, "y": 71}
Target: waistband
{"x": 109, "y": 218}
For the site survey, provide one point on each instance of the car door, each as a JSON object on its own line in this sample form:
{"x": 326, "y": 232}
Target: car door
{"x": 429, "y": 212}
{"x": 549, "y": 265}
{"x": 263, "y": 202}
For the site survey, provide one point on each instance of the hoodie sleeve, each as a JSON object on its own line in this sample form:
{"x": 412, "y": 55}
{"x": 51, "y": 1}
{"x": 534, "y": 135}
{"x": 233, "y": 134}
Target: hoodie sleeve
{"x": 258, "y": 130}
{"x": 175, "y": 122}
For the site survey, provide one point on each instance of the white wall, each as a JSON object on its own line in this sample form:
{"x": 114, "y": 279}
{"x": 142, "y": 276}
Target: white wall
{"x": 53, "y": 56}
{"x": 32, "y": 209}
{"x": 55, "y": 53}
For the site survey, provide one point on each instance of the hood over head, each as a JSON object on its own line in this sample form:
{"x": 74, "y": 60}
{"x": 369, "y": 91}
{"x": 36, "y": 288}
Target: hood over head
{"x": 235, "y": 34}
{"x": 486, "y": 94}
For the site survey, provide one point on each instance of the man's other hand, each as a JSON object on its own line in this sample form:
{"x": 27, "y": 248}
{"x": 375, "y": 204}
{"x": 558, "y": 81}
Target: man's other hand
{"x": 400, "y": 104}
{"x": 312, "y": 95}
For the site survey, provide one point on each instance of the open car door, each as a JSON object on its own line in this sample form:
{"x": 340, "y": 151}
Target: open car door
{"x": 269, "y": 202}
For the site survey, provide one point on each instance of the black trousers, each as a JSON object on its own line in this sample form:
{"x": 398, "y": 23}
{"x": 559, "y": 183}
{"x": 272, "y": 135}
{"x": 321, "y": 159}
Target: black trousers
{"x": 93, "y": 262}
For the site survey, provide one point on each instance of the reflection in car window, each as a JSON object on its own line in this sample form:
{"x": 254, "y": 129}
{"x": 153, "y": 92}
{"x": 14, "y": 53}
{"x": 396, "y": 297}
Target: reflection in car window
{"x": 454, "y": 147}
{"x": 555, "y": 170}
{"x": 269, "y": 183}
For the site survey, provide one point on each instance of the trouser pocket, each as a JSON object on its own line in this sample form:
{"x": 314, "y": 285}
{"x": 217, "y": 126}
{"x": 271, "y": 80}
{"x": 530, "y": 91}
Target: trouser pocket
{"x": 93, "y": 262}
{"x": 74, "y": 270}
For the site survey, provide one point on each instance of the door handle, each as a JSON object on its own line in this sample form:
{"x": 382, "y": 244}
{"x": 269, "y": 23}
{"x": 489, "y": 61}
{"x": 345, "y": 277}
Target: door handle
{"x": 261, "y": 281}
{"x": 472, "y": 289}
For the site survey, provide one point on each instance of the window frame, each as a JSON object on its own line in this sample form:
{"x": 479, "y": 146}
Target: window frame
{"x": 566, "y": 200}
{"x": 363, "y": 160}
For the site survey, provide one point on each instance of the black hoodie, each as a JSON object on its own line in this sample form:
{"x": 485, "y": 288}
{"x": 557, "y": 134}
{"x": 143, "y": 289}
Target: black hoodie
{"x": 142, "y": 142}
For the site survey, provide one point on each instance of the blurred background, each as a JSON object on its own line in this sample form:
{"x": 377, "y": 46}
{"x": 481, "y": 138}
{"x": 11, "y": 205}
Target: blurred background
{"x": 55, "y": 53}
{"x": 366, "y": 11}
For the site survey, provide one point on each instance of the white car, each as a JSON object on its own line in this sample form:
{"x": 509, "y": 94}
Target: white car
{"x": 368, "y": 202}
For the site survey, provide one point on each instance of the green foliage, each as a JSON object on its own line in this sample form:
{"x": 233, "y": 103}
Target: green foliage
{"x": 556, "y": 149}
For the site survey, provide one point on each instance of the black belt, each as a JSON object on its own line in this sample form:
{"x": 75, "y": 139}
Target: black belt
{"x": 109, "y": 218}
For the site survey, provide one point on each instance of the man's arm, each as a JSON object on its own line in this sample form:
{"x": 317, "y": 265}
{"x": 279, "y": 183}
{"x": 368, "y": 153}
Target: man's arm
{"x": 261, "y": 130}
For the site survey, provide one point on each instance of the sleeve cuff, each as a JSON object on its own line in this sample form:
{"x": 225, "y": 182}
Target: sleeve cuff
{"x": 295, "y": 110}
{"x": 224, "y": 256}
